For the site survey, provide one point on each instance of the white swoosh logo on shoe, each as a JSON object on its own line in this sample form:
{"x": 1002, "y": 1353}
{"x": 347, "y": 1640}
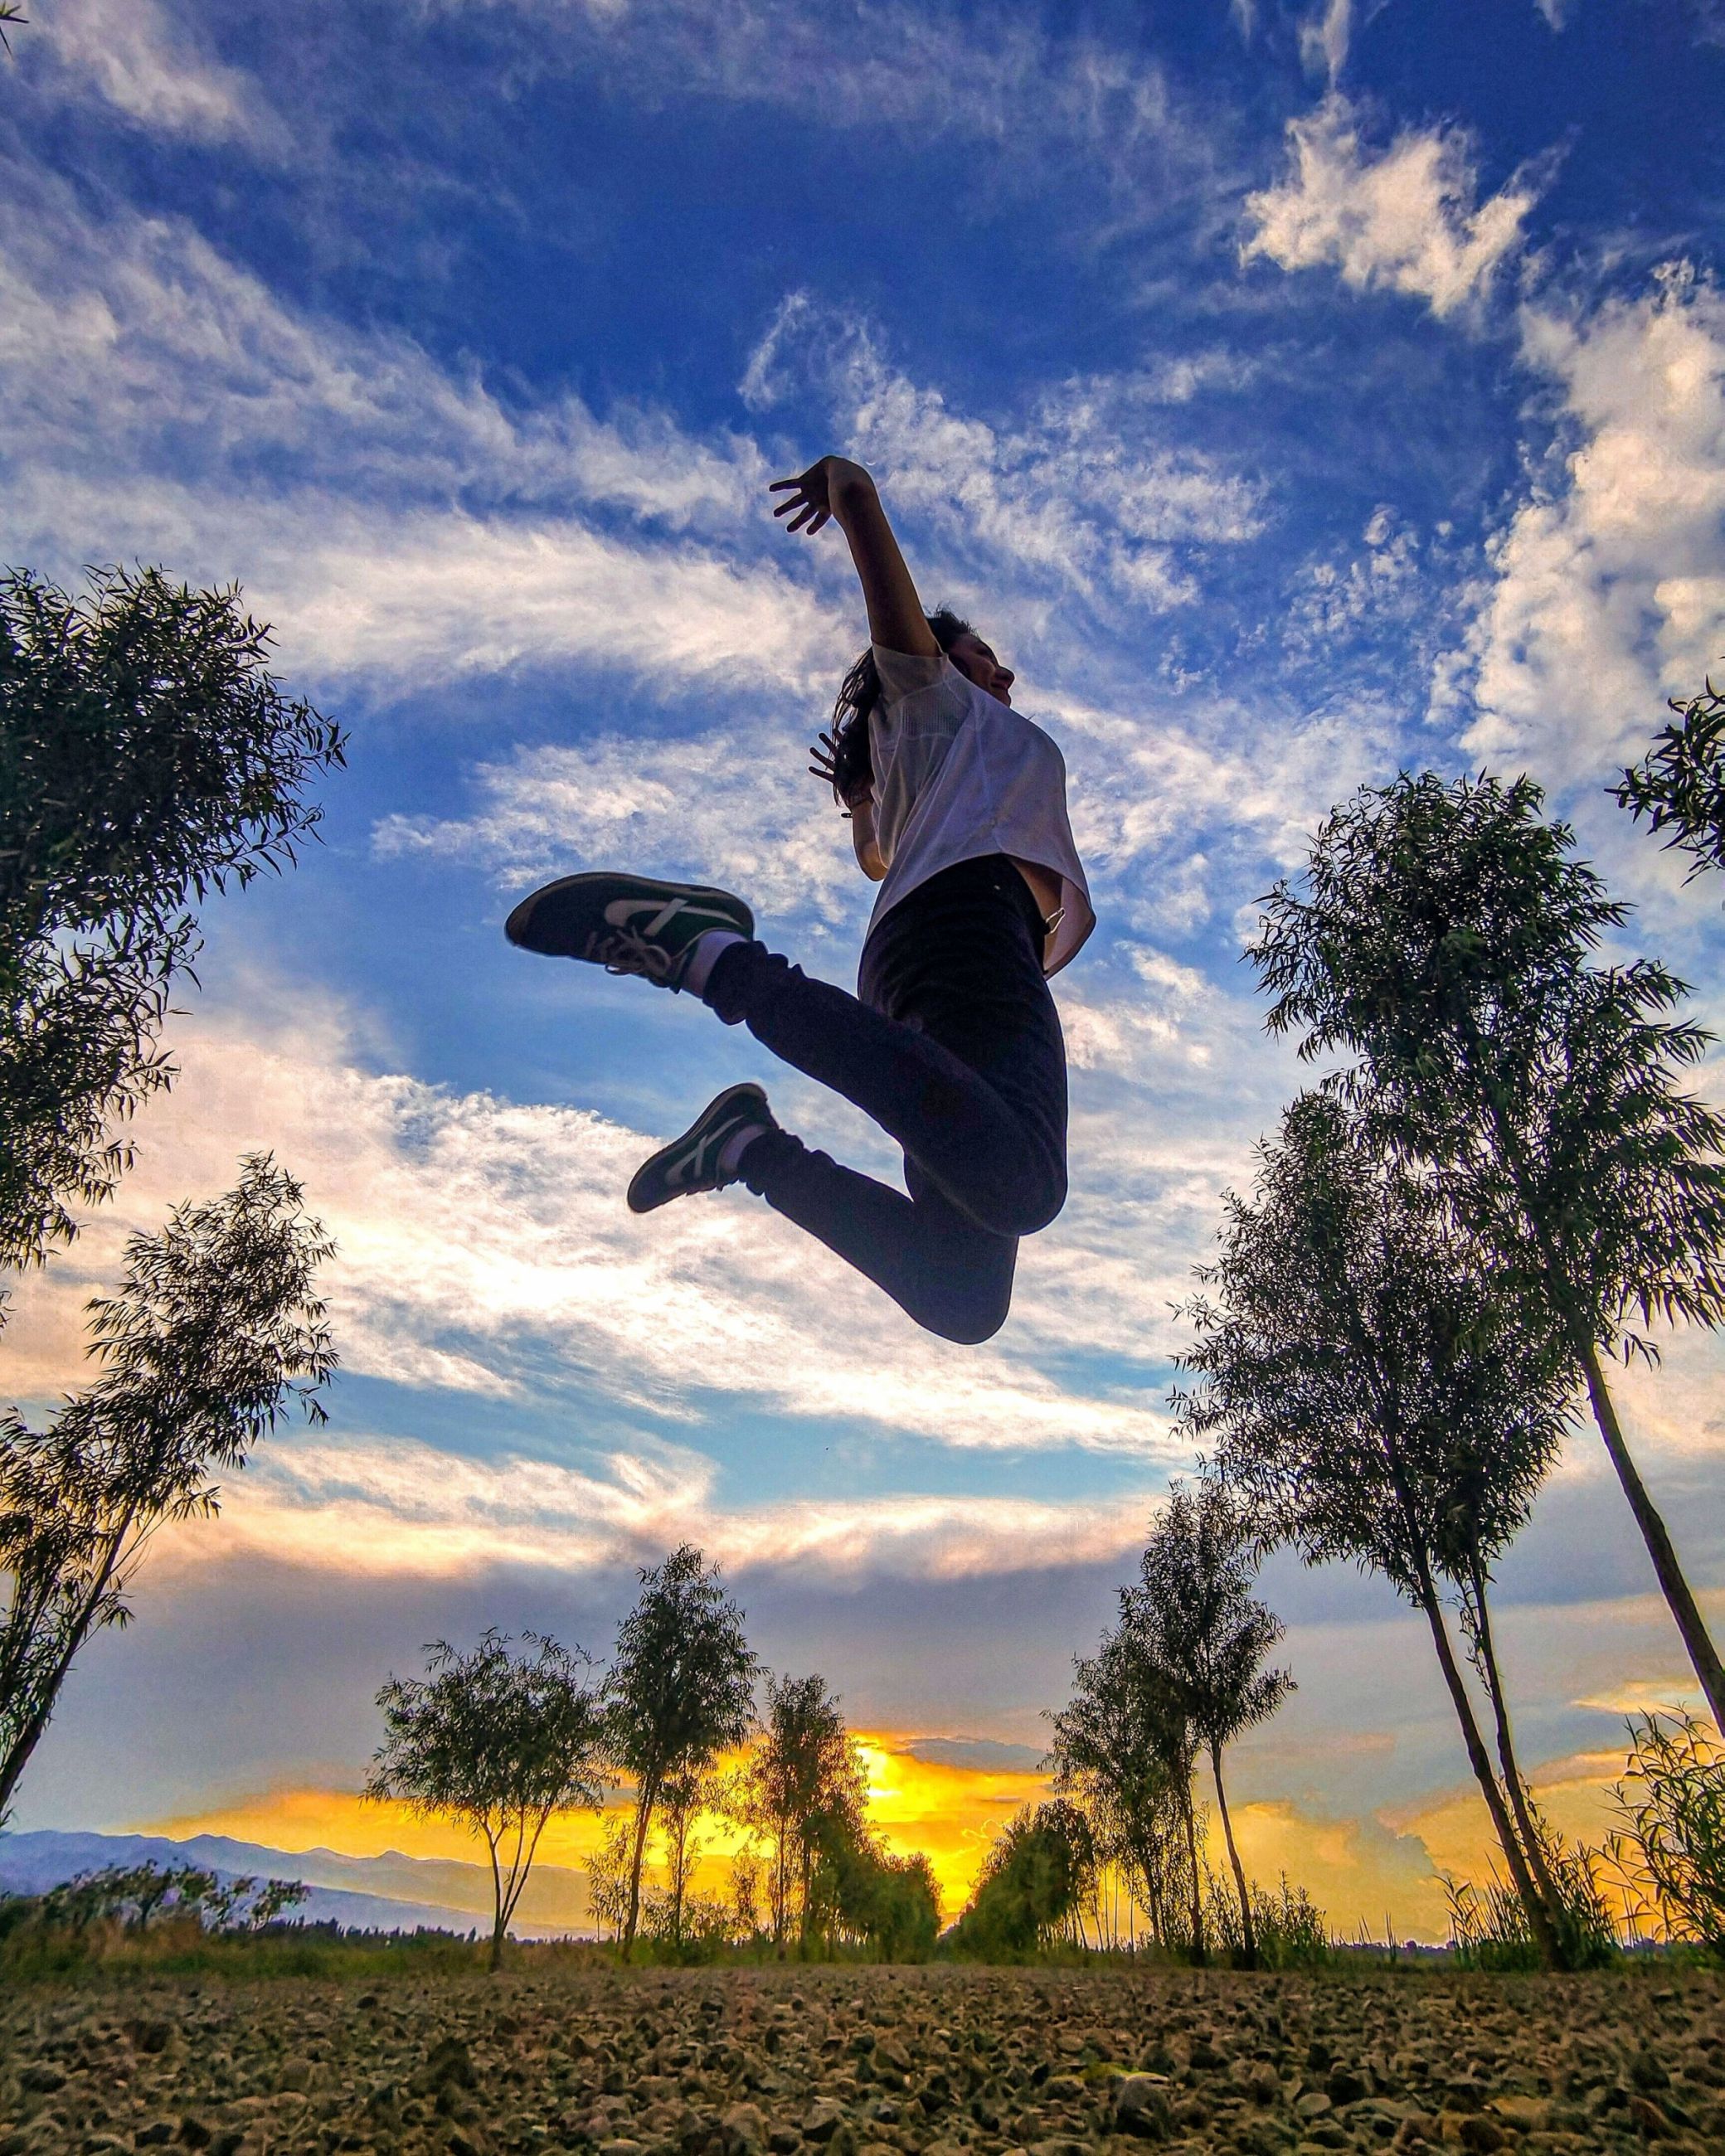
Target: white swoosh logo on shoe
{"x": 621, "y": 911}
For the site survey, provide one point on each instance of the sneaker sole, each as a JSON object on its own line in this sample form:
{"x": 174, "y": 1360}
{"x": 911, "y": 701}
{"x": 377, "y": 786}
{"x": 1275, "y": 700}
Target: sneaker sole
{"x": 646, "y": 1193}
{"x": 515, "y": 928}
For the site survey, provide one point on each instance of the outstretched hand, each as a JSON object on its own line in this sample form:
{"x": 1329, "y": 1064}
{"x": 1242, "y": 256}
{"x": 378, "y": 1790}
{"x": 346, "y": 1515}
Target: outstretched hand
{"x": 811, "y": 497}
{"x": 824, "y": 763}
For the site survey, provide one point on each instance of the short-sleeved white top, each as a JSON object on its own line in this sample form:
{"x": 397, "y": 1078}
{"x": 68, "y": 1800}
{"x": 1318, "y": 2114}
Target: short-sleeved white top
{"x": 957, "y": 775}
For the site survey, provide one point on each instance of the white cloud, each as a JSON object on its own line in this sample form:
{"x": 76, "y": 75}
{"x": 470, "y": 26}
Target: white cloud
{"x": 1404, "y": 218}
{"x": 394, "y": 1507}
{"x": 1608, "y": 581}
{"x": 394, "y": 520}
{"x": 142, "y": 59}
{"x": 1324, "y": 39}
{"x": 735, "y": 807}
{"x": 485, "y": 1247}
{"x": 1077, "y": 496}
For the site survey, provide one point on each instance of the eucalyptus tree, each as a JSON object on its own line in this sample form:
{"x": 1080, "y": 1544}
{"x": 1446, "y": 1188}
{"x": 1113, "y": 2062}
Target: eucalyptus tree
{"x": 1447, "y": 938}
{"x": 1372, "y": 1396}
{"x": 802, "y": 1781}
{"x": 499, "y": 1743}
{"x": 214, "y": 1333}
{"x": 147, "y": 758}
{"x": 679, "y": 1692}
{"x": 1678, "y": 786}
{"x": 1211, "y": 1634}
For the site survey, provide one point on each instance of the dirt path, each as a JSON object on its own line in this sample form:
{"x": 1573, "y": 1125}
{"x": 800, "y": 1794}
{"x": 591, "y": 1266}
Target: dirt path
{"x": 868, "y": 2062}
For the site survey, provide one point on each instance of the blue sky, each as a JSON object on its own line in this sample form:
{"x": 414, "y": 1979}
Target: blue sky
{"x": 1289, "y": 394}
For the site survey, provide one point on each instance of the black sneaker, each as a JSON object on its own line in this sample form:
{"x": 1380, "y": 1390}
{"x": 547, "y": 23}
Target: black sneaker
{"x": 691, "y": 1163}
{"x": 627, "y": 924}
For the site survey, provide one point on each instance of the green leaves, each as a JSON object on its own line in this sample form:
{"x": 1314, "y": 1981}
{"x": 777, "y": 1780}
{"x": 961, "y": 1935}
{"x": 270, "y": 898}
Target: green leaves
{"x": 214, "y": 1334}
{"x": 147, "y": 758}
{"x": 1678, "y": 786}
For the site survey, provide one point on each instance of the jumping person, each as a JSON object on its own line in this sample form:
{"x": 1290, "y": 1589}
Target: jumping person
{"x": 952, "y": 1043}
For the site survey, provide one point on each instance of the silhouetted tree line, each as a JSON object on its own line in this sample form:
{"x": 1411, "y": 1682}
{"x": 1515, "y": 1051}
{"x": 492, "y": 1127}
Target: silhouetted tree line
{"x": 1499, "y": 1192}
{"x": 503, "y": 1742}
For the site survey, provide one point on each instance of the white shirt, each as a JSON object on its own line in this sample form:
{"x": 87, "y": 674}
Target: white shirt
{"x": 957, "y": 775}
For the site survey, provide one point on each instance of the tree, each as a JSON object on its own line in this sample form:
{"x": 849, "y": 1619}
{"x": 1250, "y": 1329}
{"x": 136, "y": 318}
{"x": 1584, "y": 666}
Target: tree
{"x": 682, "y": 1801}
{"x": 861, "y": 1894}
{"x": 215, "y": 1330}
{"x": 1033, "y": 1883}
{"x": 497, "y": 1742}
{"x": 1371, "y": 1397}
{"x": 681, "y": 1690}
{"x": 1446, "y": 939}
{"x": 1211, "y": 1634}
{"x": 1678, "y": 786}
{"x": 1119, "y": 1749}
{"x": 802, "y": 1776}
{"x": 147, "y": 758}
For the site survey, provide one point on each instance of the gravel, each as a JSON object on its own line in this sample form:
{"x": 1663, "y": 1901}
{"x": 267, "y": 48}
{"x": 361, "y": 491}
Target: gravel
{"x": 859, "y": 2061}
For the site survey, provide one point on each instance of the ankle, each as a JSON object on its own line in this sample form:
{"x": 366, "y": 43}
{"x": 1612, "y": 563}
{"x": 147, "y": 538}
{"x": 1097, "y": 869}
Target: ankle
{"x": 704, "y": 954}
{"x": 734, "y": 1146}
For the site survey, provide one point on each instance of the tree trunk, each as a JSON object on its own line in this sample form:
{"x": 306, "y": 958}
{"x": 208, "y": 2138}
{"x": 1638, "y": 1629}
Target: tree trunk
{"x": 1199, "y": 1955}
{"x": 48, "y": 1691}
{"x": 1480, "y": 1763}
{"x": 1248, "y": 1932}
{"x": 645, "y": 1797}
{"x": 1513, "y": 1781}
{"x": 1702, "y": 1654}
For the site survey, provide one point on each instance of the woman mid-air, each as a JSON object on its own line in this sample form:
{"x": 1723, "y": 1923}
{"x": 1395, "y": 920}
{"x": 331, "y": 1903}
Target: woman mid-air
{"x": 952, "y": 1043}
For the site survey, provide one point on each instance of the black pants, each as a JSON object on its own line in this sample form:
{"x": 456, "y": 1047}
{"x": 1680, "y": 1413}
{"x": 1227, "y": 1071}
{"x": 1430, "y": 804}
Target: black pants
{"x": 954, "y": 1049}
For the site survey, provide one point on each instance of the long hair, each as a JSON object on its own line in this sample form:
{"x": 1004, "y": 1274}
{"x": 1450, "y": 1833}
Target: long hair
{"x": 860, "y": 691}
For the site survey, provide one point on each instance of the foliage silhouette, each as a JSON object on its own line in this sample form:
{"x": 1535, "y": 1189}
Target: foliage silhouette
{"x": 1123, "y": 1749}
{"x": 496, "y": 1741}
{"x": 147, "y": 758}
{"x": 1210, "y": 1634}
{"x": 679, "y": 1692}
{"x": 803, "y": 1781}
{"x": 1671, "y": 1846}
{"x": 1678, "y": 786}
{"x": 1370, "y": 1396}
{"x": 1032, "y": 1884}
{"x": 1445, "y": 938}
{"x": 213, "y": 1331}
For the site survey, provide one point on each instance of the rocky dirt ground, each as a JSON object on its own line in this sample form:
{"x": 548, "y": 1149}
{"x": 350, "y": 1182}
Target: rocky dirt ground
{"x": 868, "y": 2062}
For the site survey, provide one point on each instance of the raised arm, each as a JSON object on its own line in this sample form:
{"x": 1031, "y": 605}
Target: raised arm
{"x": 834, "y": 489}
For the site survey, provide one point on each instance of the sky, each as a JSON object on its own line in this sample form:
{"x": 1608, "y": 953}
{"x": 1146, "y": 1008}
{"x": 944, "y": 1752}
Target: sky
{"x": 1291, "y": 395}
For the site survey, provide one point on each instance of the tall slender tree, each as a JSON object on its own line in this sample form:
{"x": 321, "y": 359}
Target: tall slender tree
{"x": 1212, "y": 1635}
{"x": 500, "y": 1743}
{"x": 1363, "y": 1385}
{"x": 679, "y": 1692}
{"x": 1447, "y": 938}
{"x": 147, "y": 758}
{"x": 214, "y": 1333}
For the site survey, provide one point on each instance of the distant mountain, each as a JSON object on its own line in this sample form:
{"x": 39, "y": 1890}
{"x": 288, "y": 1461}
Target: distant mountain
{"x": 391, "y": 1892}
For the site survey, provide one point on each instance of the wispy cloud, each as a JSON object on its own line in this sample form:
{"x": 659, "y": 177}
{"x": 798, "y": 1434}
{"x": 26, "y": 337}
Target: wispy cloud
{"x": 1405, "y": 219}
{"x": 402, "y": 1507}
{"x": 484, "y": 1247}
{"x": 143, "y": 59}
{"x": 1076, "y": 494}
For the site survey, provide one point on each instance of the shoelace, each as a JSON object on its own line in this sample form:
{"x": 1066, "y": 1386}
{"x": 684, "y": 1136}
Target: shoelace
{"x": 628, "y": 951}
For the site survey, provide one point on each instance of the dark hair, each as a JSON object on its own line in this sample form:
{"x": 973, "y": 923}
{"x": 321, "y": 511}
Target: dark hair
{"x": 859, "y": 693}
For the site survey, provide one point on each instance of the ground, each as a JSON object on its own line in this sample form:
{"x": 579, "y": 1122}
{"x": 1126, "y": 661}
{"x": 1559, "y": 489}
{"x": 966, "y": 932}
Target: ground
{"x": 864, "y": 2061}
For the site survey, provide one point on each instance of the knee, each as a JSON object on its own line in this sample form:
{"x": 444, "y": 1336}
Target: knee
{"x": 1029, "y": 1204}
{"x": 966, "y": 1320}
